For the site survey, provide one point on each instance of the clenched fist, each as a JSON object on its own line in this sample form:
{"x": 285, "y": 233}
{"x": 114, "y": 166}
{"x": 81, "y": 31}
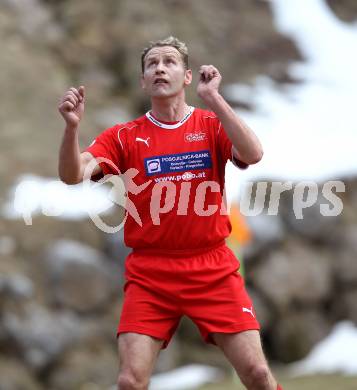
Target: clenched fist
{"x": 71, "y": 106}
{"x": 209, "y": 82}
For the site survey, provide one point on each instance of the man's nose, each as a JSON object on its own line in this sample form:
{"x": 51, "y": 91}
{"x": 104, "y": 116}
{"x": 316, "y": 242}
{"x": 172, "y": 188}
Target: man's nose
{"x": 160, "y": 68}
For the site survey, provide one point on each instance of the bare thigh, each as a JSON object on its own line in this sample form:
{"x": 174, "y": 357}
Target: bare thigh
{"x": 137, "y": 356}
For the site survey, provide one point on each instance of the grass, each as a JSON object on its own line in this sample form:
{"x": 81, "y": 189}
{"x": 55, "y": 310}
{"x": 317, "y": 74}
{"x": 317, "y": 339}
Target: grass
{"x": 313, "y": 382}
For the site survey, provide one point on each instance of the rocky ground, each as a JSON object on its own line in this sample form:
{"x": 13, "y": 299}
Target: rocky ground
{"x": 60, "y": 281}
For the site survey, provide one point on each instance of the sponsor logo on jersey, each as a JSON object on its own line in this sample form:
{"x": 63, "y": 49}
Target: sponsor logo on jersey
{"x": 188, "y": 176}
{"x": 195, "y": 137}
{"x": 145, "y": 141}
{"x": 181, "y": 162}
{"x": 153, "y": 166}
{"x": 247, "y": 310}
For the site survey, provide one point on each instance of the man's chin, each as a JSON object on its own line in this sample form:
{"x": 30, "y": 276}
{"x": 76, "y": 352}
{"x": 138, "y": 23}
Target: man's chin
{"x": 161, "y": 95}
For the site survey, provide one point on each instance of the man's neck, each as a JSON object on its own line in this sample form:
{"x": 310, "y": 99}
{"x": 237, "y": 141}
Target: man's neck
{"x": 169, "y": 110}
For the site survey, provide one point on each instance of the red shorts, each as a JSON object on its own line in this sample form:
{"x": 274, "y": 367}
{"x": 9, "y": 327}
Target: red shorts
{"x": 206, "y": 287}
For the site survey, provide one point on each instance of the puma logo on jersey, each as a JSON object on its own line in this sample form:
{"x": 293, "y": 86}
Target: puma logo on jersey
{"x": 146, "y": 141}
{"x": 246, "y": 310}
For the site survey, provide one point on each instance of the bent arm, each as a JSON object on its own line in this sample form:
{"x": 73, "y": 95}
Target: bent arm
{"x": 72, "y": 163}
{"x": 247, "y": 146}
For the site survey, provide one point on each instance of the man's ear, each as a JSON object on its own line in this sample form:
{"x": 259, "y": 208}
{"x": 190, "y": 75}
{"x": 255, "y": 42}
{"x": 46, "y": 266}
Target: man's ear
{"x": 188, "y": 77}
{"x": 142, "y": 83}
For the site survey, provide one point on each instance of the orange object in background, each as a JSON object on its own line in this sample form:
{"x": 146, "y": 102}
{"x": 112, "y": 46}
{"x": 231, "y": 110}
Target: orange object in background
{"x": 240, "y": 229}
{"x": 240, "y": 235}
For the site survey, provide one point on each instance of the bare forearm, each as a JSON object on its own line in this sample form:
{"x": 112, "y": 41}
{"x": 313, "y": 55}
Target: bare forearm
{"x": 242, "y": 137}
{"x": 69, "y": 167}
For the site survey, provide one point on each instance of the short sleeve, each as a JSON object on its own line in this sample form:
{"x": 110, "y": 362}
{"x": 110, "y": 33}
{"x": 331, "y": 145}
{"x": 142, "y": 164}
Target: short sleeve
{"x": 226, "y": 149}
{"x": 105, "y": 148}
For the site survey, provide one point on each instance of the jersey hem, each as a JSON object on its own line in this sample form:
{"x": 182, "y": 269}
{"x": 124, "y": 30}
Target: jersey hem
{"x": 178, "y": 252}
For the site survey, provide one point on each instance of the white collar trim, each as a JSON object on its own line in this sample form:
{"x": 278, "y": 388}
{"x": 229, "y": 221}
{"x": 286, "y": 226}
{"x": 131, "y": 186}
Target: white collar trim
{"x": 167, "y": 126}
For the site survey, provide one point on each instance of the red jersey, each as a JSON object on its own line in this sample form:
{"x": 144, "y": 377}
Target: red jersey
{"x": 177, "y": 180}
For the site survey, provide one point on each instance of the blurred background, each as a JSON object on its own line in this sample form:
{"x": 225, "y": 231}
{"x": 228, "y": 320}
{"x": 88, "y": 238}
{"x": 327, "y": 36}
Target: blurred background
{"x": 288, "y": 69}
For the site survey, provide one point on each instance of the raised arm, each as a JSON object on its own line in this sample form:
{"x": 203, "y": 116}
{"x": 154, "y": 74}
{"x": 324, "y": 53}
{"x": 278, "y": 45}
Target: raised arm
{"x": 247, "y": 146}
{"x": 72, "y": 162}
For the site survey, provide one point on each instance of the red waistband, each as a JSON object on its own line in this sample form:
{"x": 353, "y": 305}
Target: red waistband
{"x": 178, "y": 252}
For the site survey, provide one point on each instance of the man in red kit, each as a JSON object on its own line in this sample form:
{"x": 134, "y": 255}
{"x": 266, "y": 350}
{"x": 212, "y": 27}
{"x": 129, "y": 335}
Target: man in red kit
{"x": 172, "y": 160}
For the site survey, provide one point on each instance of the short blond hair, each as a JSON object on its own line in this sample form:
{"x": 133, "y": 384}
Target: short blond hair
{"x": 169, "y": 41}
